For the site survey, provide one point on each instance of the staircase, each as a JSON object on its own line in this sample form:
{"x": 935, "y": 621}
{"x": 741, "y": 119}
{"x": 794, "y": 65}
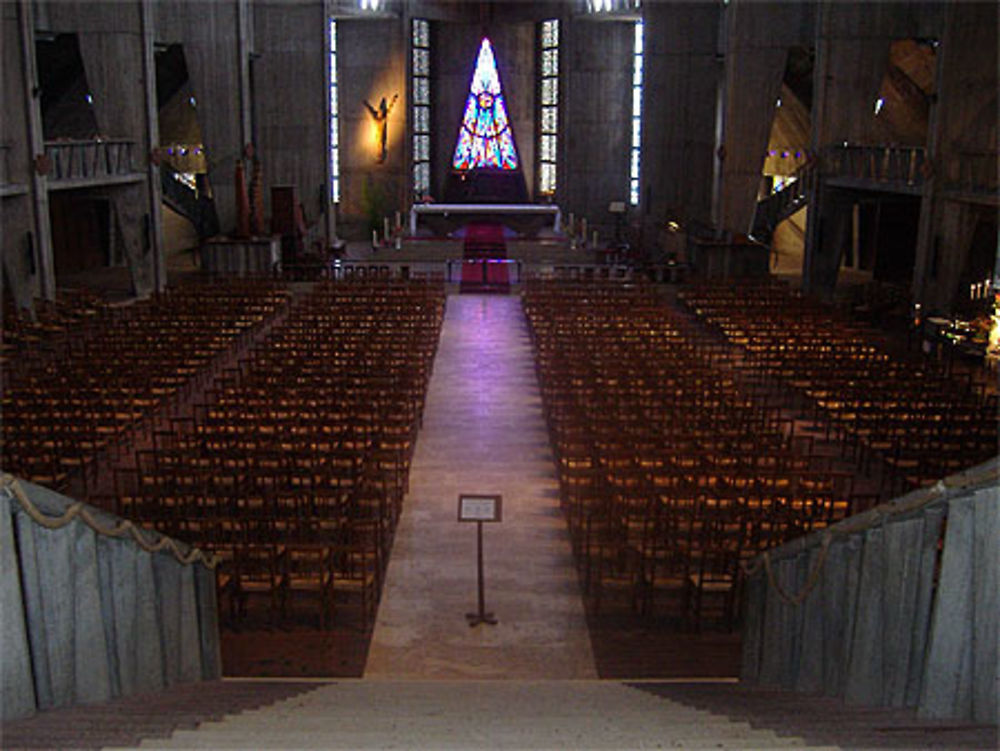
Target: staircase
{"x": 780, "y": 205}
{"x": 184, "y": 200}
{"x": 439, "y": 714}
{"x": 494, "y": 715}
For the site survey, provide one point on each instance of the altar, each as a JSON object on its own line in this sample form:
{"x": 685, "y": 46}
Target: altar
{"x": 527, "y": 219}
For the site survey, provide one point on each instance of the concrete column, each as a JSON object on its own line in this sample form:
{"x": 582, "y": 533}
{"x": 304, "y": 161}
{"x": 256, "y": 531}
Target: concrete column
{"x": 962, "y": 135}
{"x": 209, "y": 32}
{"x": 150, "y": 142}
{"x": 43, "y": 255}
{"x": 682, "y": 74}
{"x": 758, "y": 37}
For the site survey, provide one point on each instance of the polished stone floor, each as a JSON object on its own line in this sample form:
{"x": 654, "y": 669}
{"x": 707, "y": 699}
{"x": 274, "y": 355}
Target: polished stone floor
{"x": 483, "y": 432}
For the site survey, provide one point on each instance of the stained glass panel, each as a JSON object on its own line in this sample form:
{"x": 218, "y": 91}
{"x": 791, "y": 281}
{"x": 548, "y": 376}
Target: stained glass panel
{"x": 421, "y": 62}
{"x": 421, "y": 33}
{"x": 549, "y": 119}
{"x": 550, "y": 62}
{"x": 550, "y": 33}
{"x": 550, "y": 91}
{"x": 485, "y": 138}
{"x": 548, "y": 148}
{"x": 421, "y": 119}
{"x": 421, "y": 91}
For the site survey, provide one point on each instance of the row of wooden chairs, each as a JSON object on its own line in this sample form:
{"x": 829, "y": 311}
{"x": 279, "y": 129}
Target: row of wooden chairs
{"x": 115, "y": 369}
{"x": 906, "y": 413}
{"x": 293, "y": 465}
{"x": 671, "y": 470}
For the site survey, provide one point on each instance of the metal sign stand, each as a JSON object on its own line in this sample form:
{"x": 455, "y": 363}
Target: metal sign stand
{"x": 480, "y": 509}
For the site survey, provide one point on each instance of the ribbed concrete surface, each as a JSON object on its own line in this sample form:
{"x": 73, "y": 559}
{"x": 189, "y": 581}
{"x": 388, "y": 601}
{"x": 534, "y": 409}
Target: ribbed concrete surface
{"x": 473, "y": 715}
{"x": 483, "y": 432}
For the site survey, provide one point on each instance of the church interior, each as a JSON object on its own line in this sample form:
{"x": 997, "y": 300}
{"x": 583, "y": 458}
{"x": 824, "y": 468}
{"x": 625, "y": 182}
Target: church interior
{"x": 500, "y": 374}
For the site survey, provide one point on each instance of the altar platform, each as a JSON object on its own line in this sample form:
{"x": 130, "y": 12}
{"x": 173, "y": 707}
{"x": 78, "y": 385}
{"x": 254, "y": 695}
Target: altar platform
{"x": 528, "y": 219}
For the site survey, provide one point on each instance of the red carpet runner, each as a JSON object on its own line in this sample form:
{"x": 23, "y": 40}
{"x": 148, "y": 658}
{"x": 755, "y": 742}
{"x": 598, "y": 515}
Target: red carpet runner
{"x": 484, "y": 246}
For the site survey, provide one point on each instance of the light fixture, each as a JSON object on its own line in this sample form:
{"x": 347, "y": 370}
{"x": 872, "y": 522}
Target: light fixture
{"x": 879, "y": 103}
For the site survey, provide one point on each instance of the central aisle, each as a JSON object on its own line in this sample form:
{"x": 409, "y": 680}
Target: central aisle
{"x": 483, "y": 432}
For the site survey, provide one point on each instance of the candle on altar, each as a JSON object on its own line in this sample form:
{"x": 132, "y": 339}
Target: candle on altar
{"x": 374, "y": 237}
{"x": 385, "y": 228}
{"x": 398, "y": 220}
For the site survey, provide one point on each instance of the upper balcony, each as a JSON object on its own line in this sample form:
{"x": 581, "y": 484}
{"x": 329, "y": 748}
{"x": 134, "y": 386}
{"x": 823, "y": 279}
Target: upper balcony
{"x": 897, "y": 169}
{"x": 90, "y": 163}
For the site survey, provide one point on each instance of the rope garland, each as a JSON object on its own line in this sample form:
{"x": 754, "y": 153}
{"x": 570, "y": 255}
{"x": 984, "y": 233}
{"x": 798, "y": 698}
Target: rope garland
{"x": 881, "y": 513}
{"x": 123, "y": 528}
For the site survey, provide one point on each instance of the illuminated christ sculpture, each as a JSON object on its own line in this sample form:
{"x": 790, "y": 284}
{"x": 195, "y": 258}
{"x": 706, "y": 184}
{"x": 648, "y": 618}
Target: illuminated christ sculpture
{"x": 381, "y": 117}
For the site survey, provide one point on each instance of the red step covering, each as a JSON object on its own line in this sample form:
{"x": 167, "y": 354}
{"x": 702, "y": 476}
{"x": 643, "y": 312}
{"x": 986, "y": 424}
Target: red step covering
{"x": 484, "y": 241}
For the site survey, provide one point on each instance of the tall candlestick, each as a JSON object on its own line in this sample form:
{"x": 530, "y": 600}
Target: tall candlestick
{"x": 399, "y": 222}
{"x": 385, "y": 228}
{"x": 374, "y": 237}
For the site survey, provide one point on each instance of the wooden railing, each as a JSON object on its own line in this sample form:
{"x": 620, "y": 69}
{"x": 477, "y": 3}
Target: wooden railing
{"x": 896, "y": 166}
{"x": 95, "y": 160}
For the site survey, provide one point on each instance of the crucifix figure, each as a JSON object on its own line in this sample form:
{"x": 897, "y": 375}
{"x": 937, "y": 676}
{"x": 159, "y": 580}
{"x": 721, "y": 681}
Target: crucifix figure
{"x": 381, "y": 117}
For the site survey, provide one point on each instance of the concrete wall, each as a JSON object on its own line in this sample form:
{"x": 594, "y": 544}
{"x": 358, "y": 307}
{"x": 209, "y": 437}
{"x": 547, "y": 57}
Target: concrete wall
{"x": 290, "y": 102}
{"x": 682, "y": 77}
{"x": 372, "y": 64}
{"x": 596, "y": 119}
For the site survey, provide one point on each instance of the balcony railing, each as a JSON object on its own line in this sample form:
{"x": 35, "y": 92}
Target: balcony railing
{"x": 891, "y": 167}
{"x": 971, "y": 172}
{"x": 91, "y": 161}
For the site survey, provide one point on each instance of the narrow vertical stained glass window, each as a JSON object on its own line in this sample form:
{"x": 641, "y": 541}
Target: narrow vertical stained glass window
{"x": 548, "y": 132}
{"x": 334, "y": 115}
{"x": 420, "y": 95}
{"x": 485, "y": 138}
{"x": 636, "y": 160}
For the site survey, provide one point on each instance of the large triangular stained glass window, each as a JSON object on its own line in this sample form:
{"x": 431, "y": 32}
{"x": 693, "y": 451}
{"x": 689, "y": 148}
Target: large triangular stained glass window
{"x": 485, "y": 138}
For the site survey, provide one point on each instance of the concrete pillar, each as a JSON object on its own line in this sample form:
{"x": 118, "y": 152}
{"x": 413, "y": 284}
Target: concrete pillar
{"x": 683, "y": 71}
{"x": 291, "y": 92}
{"x": 42, "y": 256}
{"x": 963, "y": 139}
{"x": 150, "y": 142}
{"x": 209, "y": 32}
{"x": 758, "y": 35}
{"x": 595, "y": 103}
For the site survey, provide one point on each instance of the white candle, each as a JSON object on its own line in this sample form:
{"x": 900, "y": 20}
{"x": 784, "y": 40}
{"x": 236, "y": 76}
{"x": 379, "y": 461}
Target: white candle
{"x": 385, "y": 227}
{"x": 399, "y": 221}
{"x": 374, "y": 237}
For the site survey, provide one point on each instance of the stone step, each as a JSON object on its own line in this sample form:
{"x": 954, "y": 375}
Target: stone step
{"x": 484, "y": 714}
